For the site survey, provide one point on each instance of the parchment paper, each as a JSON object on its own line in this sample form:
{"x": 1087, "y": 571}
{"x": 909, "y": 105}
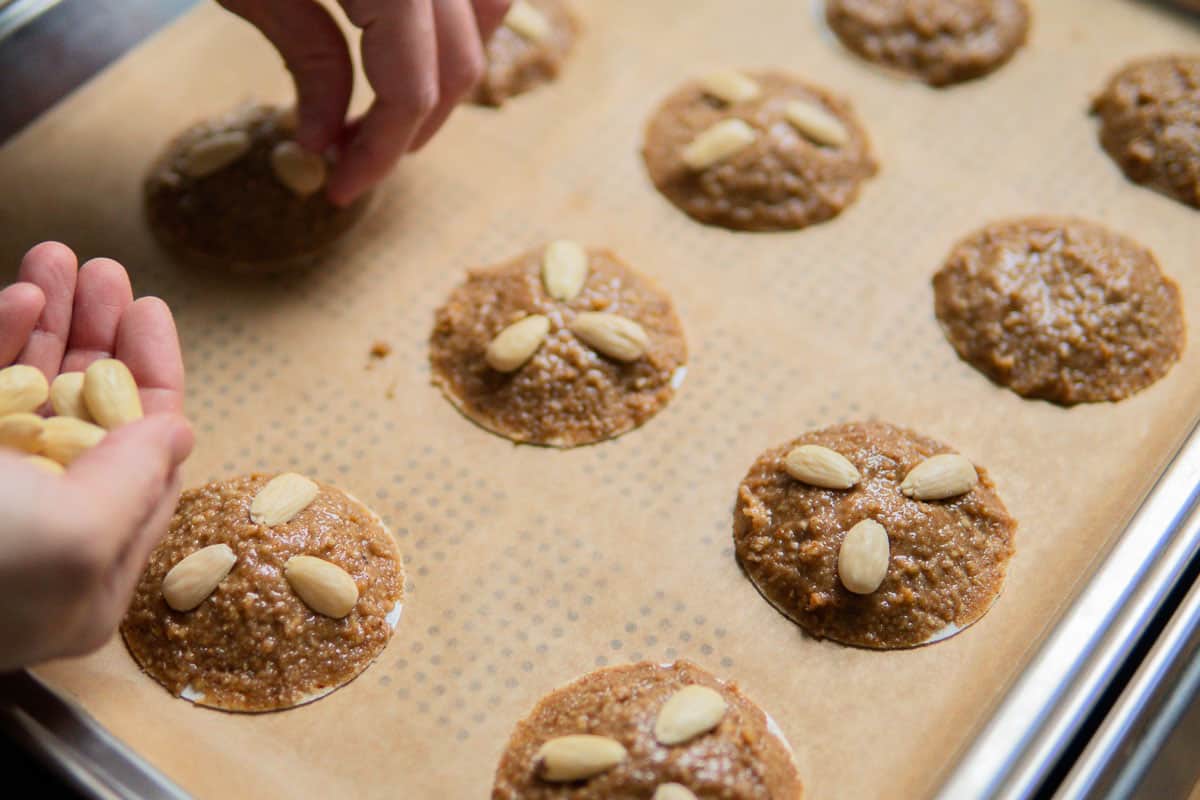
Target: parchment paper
{"x": 528, "y": 566}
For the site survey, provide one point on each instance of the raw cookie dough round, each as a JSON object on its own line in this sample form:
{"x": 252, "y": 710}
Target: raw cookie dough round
{"x": 1150, "y": 124}
{"x": 523, "y": 57}
{"x": 1061, "y": 309}
{"x": 785, "y": 179}
{"x": 253, "y": 644}
{"x": 743, "y": 758}
{"x": 941, "y": 42}
{"x": 567, "y": 393}
{"x": 240, "y": 216}
{"x": 947, "y": 557}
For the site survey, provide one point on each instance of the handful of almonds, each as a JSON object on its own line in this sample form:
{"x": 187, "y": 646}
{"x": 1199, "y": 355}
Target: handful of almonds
{"x": 87, "y": 405}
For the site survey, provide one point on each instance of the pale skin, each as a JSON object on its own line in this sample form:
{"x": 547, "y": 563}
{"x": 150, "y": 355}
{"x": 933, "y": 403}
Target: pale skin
{"x": 72, "y": 546}
{"x": 420, "y": 57}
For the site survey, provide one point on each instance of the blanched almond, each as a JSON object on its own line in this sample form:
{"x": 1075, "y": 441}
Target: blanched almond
{"x": 66, "y": 396}
{"x": 564, "y": 269}
{"x": 689, "y": 712}
{"x": 302, "y": 172}
{"x": 816, "y": 123}
{"x": 673, "y": 791}
{"x": 65, "y": 439}
{"x": 723, "y": 140}
{"x": 611, "y": 335}
{"x": 214, "y": 153}
{"x": 22, "y": 388}
{"x": 820, "y": 466}
{"x": 111, "y": 394}
{"x": 730, "y": 86}
{"x": 196, "y": 576}
{"x": 22, "y": 431}
{"x": 525, "y": 19}
{"x": 577, "y": 757}
{"x": 863, "y": 557}
{"x": 46, "y": 464}
{"x": 940, "y": 477}
{"x": 282, "y": 498}
{"x": 323, "y": 586}
{"x": 517, "y": 343}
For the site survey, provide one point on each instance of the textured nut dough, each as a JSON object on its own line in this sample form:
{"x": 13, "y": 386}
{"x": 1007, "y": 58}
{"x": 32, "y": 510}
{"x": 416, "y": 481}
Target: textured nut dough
{"x": 740, "y": 759}
{"x": 1150, "y": 124}
{"x": 947, "y": 560}
{"x": 941, "y": 42}
{"x": 241, "y": 218}
{"x": 515, "y": 64}
{"x": 1060, "y": 309}
{"x": 253, "y": 645}
{"x": 567, "y": 394}
{"x": 783, "y": 181}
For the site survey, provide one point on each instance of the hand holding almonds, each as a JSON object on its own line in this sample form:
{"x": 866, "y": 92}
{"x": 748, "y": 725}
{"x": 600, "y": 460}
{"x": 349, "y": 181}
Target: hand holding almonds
{"x": 106, "y": 392}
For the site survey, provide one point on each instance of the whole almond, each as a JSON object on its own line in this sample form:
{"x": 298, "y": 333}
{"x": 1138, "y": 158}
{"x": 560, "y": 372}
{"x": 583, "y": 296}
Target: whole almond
{"x": 214, "y": 153}
{"x": 820, "y": 466}
{"x": 65, "y": 439}
{"x": 730, "y": 86}
{"x": 527, "y": 21}
{"x": 863, "y": 557}
{"x": 299, "y": 170}
{"x": 816, "y": 123}
{"x": 324, "y": 587}
{"x": 22, "y": 388}
{"x": 611, "y": 335}
{"x": 577, "y": 757}
{"x": 564, "y": 269}
{"x": 517, "y": 343}
{"x": 197, "y": 575}
{"x": 111, "y": 394}
{"x": 940, "y": 477}
{"x": 282, "y": 498}
{"x": 689, "y": 712}
{"x": 723, "y": 140}
{"x": 46, "y": 464}
{"x": 673, "y": 791}
{"x": 66, "y": 396}
{"x": 22, "y": 431}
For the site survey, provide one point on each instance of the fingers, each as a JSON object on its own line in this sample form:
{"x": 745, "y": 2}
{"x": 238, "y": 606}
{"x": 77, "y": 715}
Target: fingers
{"x": 126, "y": 474}
{"x": 315, "y": 52}
{"x": 129, "y": 568}
{"x": 102, "y": 293}
{"x": 52, "y": 267}
{"x": 461, "y": 62}
{"x": 20, "y": 306}
{"x": 149, "y": 345}
{"x": 489, "y": 14}
{"x": 399, "y": 53}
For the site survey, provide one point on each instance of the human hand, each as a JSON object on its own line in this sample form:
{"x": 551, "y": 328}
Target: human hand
{"x": 420, "y": 57}
{"x": 72, "y": 546}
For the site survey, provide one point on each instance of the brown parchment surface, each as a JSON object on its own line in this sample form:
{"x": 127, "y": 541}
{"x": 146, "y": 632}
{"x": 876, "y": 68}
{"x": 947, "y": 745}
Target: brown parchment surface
{"x": 527, "y": 566}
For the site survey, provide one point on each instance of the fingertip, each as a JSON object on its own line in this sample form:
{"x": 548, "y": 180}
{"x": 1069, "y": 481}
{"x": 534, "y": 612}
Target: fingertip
{"x": 25, "y": 296}
{"x": 51, "y": 252}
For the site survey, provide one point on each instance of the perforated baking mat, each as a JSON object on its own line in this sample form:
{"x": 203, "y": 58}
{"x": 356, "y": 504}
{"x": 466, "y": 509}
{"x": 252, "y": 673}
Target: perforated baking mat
{"x": 528, "y": 566}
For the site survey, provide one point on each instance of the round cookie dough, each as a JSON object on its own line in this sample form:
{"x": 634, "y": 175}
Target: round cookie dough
{"x": 240, "y": 217}
{"x": 253, "y": 644}
{"x": 1060, "y": 309}
{"x": 1150, "y": 124}
{"x": 784, "y": 180}
{"x": 743, "y": 758}
{"x": 947, "y": 557}
{"x": 519, "y": 60}
{"x": 567, "y": 393}
{"x": 940, "y": 42}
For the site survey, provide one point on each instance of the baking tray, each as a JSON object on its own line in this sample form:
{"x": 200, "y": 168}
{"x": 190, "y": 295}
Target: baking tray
{"x": 528, "y": 566}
